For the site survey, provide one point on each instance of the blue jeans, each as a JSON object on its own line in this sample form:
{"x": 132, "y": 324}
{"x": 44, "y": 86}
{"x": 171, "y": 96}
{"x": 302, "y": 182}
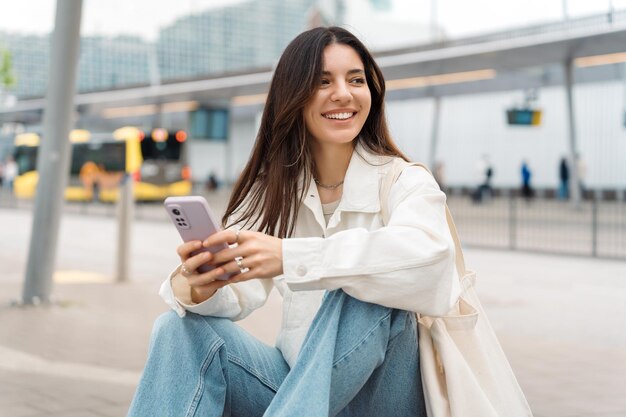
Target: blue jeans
{"x": 358, "y": 359}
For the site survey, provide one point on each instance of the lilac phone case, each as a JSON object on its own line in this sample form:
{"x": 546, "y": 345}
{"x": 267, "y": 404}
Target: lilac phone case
{"x": 194, "y": 220}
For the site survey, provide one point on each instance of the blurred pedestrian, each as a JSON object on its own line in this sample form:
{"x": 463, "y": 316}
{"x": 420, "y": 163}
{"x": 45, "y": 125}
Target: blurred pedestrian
{"x": 90, "y": 174}
{"x": 484, "y": 170}
{"x": 527, "y": 191}
{"x": 563, "y": 179}
{"x": 305, "y": 217}
{"x": 212, "y": 183}
{"x": 9, "y": 173}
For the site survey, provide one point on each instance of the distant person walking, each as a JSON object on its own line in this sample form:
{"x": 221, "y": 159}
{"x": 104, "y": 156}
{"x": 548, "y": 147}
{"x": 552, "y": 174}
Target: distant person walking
{"x": 212, "y": 183}
{"x": 527, "y": 191}
{"x": 9, "y": 173}
{"x": 563, "y": 179}
{"x": 484, "y": 170}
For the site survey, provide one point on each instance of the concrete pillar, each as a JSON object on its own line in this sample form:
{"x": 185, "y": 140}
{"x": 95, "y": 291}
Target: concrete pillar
{"x": 54, "y": 152}
{"x": 574, "y": 191}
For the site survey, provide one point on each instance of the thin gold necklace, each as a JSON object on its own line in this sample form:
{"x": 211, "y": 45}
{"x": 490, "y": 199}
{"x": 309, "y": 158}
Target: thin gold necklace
{"x": 328, "y": 186}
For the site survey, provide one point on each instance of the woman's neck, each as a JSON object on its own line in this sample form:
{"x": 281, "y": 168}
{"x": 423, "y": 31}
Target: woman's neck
{"x": 331, "y": 162}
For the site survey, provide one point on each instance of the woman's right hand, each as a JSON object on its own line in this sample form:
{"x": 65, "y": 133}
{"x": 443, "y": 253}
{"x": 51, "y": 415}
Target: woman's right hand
{"x": 203, "y": 286}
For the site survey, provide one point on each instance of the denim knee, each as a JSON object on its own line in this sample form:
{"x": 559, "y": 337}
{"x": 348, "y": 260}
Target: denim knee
{"x": 166, "y": 323}
{"x": 170, "y": 327}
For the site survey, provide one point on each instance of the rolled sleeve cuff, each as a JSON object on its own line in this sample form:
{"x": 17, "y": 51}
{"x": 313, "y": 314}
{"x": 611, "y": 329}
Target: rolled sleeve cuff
{"x": 167, "y": 294}
{"x": 303, "y": 263}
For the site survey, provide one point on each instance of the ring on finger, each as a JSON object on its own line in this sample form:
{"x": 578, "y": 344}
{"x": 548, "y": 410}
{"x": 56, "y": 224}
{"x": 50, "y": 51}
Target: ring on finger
{"x": 239, "y": 262}
{"x": 185, "y": 271}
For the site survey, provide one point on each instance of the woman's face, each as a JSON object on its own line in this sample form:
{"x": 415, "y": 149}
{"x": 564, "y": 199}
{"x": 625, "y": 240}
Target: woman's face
{"x": 338, "y": 109}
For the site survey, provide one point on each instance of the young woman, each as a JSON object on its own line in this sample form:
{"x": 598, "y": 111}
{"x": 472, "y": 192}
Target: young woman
{"x": 305, "y": 217}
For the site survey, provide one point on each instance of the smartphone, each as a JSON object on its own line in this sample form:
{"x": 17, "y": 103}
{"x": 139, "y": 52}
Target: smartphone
{"x": 194, "y": 220}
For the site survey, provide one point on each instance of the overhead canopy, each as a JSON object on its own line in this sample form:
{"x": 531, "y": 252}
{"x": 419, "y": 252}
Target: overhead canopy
{"x": 506, "y": 54}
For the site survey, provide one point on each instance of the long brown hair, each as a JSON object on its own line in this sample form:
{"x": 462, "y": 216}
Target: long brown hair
{"x": 266, "y": 194}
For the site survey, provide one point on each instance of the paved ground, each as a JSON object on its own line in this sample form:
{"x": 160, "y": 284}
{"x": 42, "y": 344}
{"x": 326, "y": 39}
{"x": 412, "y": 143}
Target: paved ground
{"x": 561, "y": 321}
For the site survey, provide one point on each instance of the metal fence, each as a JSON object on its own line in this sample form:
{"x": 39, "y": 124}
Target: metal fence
{"x": 595, "y": 228}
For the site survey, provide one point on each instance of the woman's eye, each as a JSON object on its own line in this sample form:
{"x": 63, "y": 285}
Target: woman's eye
{"x": 358, "y": 81}
{"x": 324, "y": 82}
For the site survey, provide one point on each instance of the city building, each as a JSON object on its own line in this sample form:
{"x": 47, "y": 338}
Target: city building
{"x": 30, "y": 56}
{"x": 238, "y": 37}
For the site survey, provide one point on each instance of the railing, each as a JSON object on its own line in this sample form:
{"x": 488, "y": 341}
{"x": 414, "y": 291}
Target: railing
{"x": 597, "y": 227}
{"x": 151, "y": 211}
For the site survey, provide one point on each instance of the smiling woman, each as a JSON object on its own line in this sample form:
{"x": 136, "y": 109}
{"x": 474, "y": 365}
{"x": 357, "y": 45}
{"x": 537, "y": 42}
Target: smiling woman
{"x": 335, "y": 115}
{"x": 305, "y": 217}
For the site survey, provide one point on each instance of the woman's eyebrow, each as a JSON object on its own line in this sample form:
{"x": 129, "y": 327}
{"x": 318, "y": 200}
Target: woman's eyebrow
{"x": 350, "y": 72}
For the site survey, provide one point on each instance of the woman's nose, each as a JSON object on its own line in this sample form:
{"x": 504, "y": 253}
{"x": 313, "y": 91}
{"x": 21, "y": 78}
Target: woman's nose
{"x": 341, "y": 92}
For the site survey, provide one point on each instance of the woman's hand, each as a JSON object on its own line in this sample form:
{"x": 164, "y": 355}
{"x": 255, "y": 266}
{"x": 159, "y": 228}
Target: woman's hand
{"x": 260, "y": 256}
{"x": 202, "y": 285}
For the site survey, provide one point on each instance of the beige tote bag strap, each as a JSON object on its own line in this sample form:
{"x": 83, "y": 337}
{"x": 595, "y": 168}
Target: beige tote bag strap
{"x": 391, "y": 177}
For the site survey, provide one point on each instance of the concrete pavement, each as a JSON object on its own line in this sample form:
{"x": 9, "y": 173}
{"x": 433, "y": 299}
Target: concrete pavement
{"x": 561, "y": 321}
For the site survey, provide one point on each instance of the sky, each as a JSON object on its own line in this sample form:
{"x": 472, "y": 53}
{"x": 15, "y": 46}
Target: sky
{"x": 144, "y": 17}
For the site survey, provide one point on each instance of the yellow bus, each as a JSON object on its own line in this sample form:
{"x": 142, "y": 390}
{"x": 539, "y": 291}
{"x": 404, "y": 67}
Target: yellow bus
{"x": 155, "y": 160}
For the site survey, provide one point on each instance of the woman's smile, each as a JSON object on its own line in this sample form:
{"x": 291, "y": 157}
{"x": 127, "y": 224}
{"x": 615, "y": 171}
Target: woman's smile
{"x": 340, "y": 115}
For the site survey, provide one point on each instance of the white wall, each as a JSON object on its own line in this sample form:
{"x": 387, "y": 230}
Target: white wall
{"x": 225, "y": 158}
{"x": 205, "y": 157}
{"x": 475, "y": 125}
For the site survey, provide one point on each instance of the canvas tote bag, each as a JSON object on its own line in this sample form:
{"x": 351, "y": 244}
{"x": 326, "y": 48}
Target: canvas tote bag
{"x": 464, "y": 370}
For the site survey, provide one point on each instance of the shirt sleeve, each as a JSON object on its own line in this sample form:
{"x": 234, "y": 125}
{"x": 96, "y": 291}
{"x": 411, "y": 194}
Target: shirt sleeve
{"x": 408, "y": 264}
{"x": 234, "y": 301}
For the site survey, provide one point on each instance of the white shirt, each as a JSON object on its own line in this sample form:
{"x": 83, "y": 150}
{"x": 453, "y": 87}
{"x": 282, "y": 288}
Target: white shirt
{"x": 408, "y": 264}
{"x": 10, "y": 171}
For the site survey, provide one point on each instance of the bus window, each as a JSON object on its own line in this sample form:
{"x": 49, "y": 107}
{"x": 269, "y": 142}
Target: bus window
{"x": 167, "y": 148}
{"x": 26, "y": 158}
{"x": 113, "y": 156}
{"x": 108, "y": 156}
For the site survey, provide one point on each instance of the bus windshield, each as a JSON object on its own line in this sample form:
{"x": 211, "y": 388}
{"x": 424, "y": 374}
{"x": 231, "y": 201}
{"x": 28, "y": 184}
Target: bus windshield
{"x": 108, "y": 156}
{"x": 26, "y": 158}
{"x": 168, "y": 149}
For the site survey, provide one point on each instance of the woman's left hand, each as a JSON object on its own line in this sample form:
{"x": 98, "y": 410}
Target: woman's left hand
{"x": 261, "y": 255}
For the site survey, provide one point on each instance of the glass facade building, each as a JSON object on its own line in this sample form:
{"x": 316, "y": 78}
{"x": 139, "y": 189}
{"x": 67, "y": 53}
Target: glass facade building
{"x": 30, "y": 55}
{"x": 239, "y": 37}
{"x": 107, "y": 63}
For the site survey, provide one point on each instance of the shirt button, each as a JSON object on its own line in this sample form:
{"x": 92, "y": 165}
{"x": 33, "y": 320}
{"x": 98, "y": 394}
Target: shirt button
{"x": 301, "y": 270}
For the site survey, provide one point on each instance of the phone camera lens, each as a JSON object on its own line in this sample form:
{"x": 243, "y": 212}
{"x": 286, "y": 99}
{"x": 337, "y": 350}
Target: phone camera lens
{"x": 176, "y": 212}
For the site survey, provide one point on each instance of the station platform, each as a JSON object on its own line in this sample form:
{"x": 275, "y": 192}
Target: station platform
{"x": 560, "y": 319}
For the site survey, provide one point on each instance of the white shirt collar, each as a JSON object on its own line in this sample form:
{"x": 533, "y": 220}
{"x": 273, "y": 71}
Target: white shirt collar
{"x": 361, "y": 187}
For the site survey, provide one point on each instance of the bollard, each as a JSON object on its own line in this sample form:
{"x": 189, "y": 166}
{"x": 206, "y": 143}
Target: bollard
{"x": 125, "y": 205}
{"x": 594, "y": 222}
{"x": 512, "y": 221}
